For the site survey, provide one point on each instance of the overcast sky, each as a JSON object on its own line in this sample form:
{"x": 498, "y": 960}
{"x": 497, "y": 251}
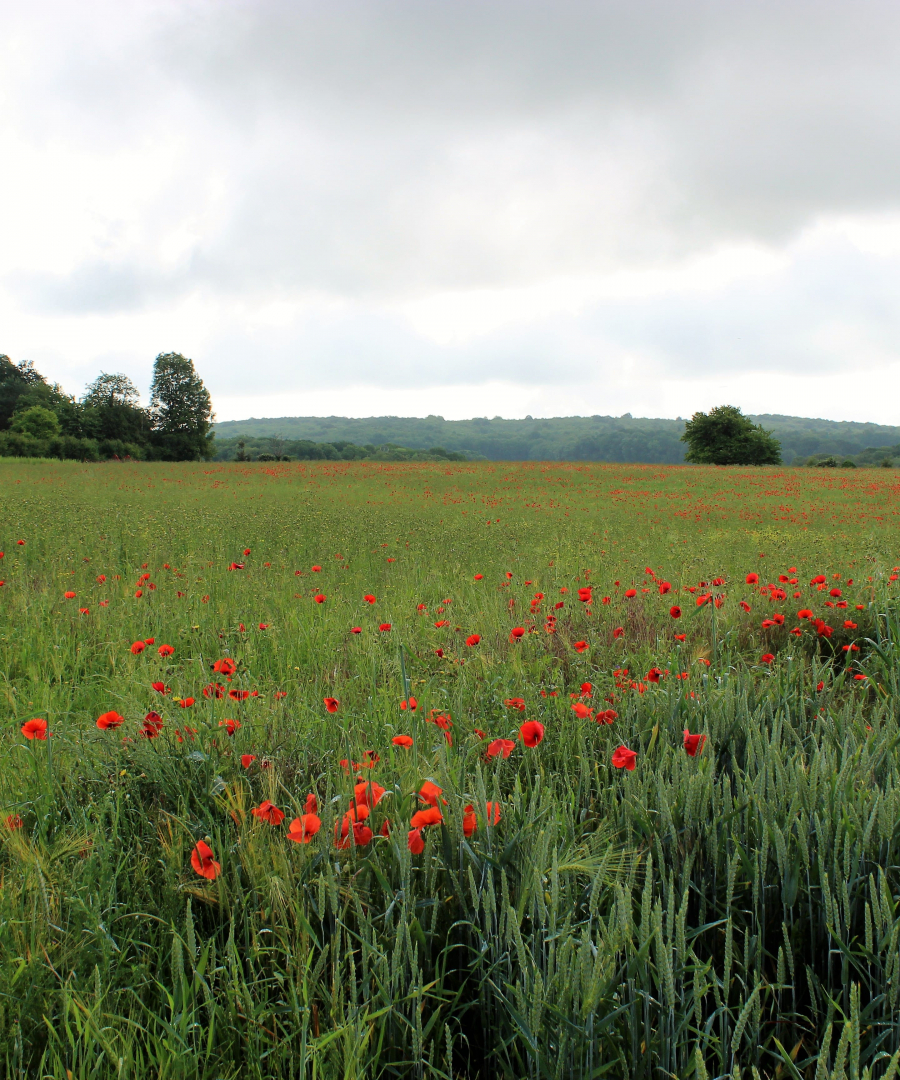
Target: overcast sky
{"x": 463, "y": 207}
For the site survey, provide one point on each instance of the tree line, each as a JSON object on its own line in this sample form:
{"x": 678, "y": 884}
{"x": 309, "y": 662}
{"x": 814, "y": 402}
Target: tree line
{"x": 38, "y": 419}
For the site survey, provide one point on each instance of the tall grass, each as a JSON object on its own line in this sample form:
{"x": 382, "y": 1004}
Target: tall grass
{"x": 733, "y": 914}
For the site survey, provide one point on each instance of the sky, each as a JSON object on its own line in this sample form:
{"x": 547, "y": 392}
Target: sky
{"x": 458, "y": 207}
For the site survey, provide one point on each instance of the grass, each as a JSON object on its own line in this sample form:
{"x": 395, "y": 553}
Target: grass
{"x": 730, "y": 914}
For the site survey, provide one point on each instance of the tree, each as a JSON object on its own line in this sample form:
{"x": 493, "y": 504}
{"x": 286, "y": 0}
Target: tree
{"x": 38, "y": 422}
{"x": 112, "y": 410}
{"x": 15, "y": 380}
{"x": 724, "y": 436}
{"x": 180, "y": 410}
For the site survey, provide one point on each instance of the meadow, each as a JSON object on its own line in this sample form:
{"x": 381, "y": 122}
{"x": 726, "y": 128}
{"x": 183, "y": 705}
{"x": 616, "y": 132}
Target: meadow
{"x": 321, "y": 769}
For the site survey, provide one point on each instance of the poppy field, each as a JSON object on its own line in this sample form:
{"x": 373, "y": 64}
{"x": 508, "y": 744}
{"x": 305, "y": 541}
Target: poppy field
{"x": 474, "y": 770}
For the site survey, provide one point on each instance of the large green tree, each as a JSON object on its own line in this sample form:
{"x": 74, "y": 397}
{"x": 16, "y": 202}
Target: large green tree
{"x": 724, "y": 436}
{"x": 180, "y": 410}
{"x": 15, "y": 380}
{"x": 111, "y": 409}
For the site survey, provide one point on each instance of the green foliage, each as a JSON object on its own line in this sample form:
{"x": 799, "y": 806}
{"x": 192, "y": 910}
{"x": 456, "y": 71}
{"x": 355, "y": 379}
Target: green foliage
{"x": 36, "y": 421}
{"x": 724, "y": 436}
{"x": 180, "y": 410}
{"x": 731, "y": 914}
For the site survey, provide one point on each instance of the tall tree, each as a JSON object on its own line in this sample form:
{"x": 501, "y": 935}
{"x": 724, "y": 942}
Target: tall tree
{"x": 180, "y": 410}
{"x": 112, "y": 410}
{"x": 15, "y": 380}
{"x": 724, "y": 436}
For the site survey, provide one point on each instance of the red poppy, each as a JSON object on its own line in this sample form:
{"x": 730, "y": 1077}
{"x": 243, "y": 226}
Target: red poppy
{"x": 236, "y": 566}
{"x": 369, "y": 598}
{"x": 744, "y": 606}
{"x": 331, "y": 704}
{"x": 410, "y": 704}
{"x": 473, "y": 639}
{"x": 165, "y": 650}
{"x": 14, "y": 822}
{"x": 20, "y": 541}
{"x": 693, "y": 744}
{"x": 470, "y": 821}
{"x": 430, "y": 793}
{"x": 654, "y": 675}
{"x": 216, "y": 690}
{"x": 203, "y": 862}
{"x": 138, "y": 647}
{"x": 384, "y": 627}
{"x": 152, "y": 725}
{"x": 517, "y": 633}
{"x": 430, "y": 816}
{"x": 752, "y": 579}
{"x": 160, "y": 687}
{"x": 675, "y": 612}
{"x": 619, "y": 632}
{"x": 501, "y": 746}
{"x": 235, "y": 695}
{"x": 580, "y": 646}
{"x": 355, "y": 629}
{"x": 478, "y": 577}
{"x": 320, "y": 598}
{"x": 608, "y": 716}
{"x": 109, "y": 720}
{"x": 246, "y": 551}
{"x": 680, "y": 637}
{"x": 629, "y": 593}
{"x": 849, "y": 625}
{"x": 402, "y": 740}
{"x": 767, "y": 658}
{"x": 586, "y": 688}
{"x": 230, "y": 726}
{"x": 581, "y": 710}
{"x": 804, "y": 613}
{"x": 267, "y": 811}
{"x": 532, "y": 731}
{"x": 188, "y": 702}
{"x": 515, "y": 703}
{"x": 493, "y": 813}
{"x": 585, "y": 593}
{"x": 623, "y": 758}
{"x": 225, "y": 667}
{"x": 415, "y": 841}
{"x": 368, "y": 793}
{"x": 247, "y": 760}
{"x": 101, "y": 578}
{"x": 316, "y": 569}
{"x": 35, "y": 729}
{"x": 69, "y": 595}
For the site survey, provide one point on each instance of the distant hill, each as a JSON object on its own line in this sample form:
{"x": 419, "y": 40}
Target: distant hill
{"x": 566, "y": 438}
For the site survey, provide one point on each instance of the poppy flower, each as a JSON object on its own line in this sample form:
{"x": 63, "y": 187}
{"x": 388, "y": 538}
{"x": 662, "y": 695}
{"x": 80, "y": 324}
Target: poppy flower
{"x": 429, "y": 816}
{"x": 160, "y": 687}
{"x": 188, "y": 702}
{"x": 501, "y": 746}
{"x": 235, "y": 695}
{"x": 279, "y": 694}
{"x": 101, "y": 578}
{"x": 316, "y": 569}
{"x": 152, "y": 726}
{"x": 246, "y": 551}
{"x": 470, "y": 821}
{"x": 35, "y": 729}
{"x": 402, "y": 740}
{"x": 415, "y": 841}
{"x": 216, "y": 690}
{"x": 247, "y": 760}
{"x": 473, "y": 639}
{"x": 586, "y": 688}
{"x": 581, "y": 710}
{"x": 752, "y": 579}
{"x": 767, "y": 658}
{"x": 848, "y": 625}
{"x": 320, "y": 598}
{"x": 384, "y": 627}
{"x": 693, "y": 744}
{"x": 138, "y": 647}
{"x": 430, "y": 793}
{"x": 203, "y": 862}
{"x": 236, "y": 566}
{"x": 515, "y": 703}
{"x": 331, "y": 704}
{"x": 14, "y": 822}
{"x": 585, "y": 593}
{"x": 532, "y": 731}
{"x": 409, "y": 703}
{"x": 21, "y": 542}
{"x": 654, "y": 675}
{"x": 517, "y": 633}
{"x": 608, "y": 715}
{"x": 441, "y": 623}
{"x": 225, "y": 667}
{"x": 230, "y": 726}
{"x": 580, "y": 646}
{"x": 479, "y": 577}
{"x": 109, "y": 720}
{"x": 267, "y": 811}
{"x": 369, "y": 598}
{"x": 804, "y": 613}
{"x": 355, "y": 629}
{"x": 69, "y": 595}
{"x": 680, "y": 637}
{"x": 744, "y": 606}
{"x": 619, "y": 632}
{"x": 675, "y": 612}
{"x": 629, "y": 593}
{"x": 439, "y": 652}
{"x": 368, "y": 793}
{"x": 623, "y": 758}
{"x": 165, "y": 650}
{"x": 493, "y": 813}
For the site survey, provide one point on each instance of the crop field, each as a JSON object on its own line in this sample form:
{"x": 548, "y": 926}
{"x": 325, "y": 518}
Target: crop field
{"x": 363, "y": 770}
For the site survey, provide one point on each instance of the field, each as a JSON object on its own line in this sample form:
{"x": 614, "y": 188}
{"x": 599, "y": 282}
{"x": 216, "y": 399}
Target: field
{"x": 465, "y": 688}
